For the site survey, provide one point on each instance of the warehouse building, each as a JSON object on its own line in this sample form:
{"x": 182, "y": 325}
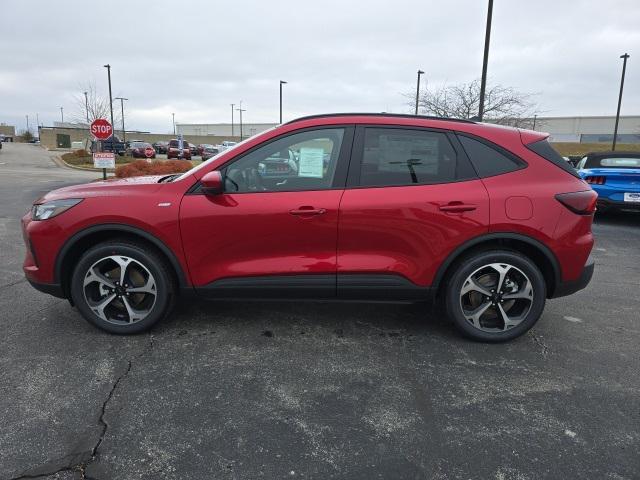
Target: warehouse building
{"x": 223, "y": 129}
{"x": 590, "y": 129}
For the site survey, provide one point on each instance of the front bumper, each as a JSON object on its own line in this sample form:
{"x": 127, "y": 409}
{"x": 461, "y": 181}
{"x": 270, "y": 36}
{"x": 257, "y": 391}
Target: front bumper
{"x": 567, "y": 288}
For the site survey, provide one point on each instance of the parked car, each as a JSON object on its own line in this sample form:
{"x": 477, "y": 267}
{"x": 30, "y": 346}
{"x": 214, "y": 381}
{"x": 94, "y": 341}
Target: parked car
{"x": 200, "y": 148}
{"x": 615, "y": 177}
{"x": 141, "y": 150}
{"x": 193, "y": 149}
{"x": 208, "y": 152}
{"x": 161, "y": 147}
{"x": 173, "y": 150}
{"x": 225, "y": 145}
{"x": 490, "y": 221}
{"x": 111, "y": 144}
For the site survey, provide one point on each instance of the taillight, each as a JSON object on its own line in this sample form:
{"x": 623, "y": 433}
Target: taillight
{"x": 596, "y": 180}
{"x": 582, "y": 203}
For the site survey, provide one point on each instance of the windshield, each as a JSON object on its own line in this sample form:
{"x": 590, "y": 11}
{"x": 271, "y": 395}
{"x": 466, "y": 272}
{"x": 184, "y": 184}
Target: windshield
{"x": 224, "y": 152}
{"x": 613, "y": 162}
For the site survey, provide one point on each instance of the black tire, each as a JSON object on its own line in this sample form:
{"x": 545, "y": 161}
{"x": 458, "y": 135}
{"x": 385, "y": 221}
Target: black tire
{"x": 142, "y": 255}
{"x": 469, "y": 265}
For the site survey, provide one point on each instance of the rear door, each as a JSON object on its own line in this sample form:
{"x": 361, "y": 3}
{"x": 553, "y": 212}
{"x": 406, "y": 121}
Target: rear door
{"x": 412, "y": 197}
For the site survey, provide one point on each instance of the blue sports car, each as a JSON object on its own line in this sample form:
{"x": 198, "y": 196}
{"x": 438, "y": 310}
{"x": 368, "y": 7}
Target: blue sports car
{"x": 615, "y": 176}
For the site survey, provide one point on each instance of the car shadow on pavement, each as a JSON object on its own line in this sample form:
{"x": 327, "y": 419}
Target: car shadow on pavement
{"x": 622, "y": 219}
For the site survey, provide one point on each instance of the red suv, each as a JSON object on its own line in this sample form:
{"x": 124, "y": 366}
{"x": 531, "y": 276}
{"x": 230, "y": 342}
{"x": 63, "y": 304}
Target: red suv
{"x": 489, "y": 220}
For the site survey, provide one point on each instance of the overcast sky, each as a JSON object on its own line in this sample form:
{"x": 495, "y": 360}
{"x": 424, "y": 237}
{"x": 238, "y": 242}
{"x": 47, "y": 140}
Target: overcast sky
{"x": 195, "y": 58}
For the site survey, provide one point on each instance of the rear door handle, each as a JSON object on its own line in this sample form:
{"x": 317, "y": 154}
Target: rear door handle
{"x": 457, "y": 207}
{"x": 307, "y": 211}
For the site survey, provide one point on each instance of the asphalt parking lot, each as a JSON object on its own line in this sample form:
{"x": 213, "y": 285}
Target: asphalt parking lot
{"x": 312, "y": 390}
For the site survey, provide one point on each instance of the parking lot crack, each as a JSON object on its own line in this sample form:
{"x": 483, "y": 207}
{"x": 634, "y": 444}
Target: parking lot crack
{"x": 544, "y": 348}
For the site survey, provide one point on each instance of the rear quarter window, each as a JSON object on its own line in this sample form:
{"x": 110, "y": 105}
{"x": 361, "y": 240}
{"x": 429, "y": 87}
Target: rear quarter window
{"x": 489, "y": 160}
{"x": 546, "y": 151}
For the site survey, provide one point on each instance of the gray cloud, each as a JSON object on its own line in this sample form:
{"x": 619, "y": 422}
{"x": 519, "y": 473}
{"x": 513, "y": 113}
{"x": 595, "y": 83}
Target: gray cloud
{"x": 194, "y": 58}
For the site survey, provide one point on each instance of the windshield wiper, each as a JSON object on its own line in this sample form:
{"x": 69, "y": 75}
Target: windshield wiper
{"x": 169, "y": 178}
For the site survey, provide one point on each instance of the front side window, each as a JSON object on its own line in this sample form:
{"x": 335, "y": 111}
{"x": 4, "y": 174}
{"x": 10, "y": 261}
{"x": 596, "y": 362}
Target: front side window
{"x": 302, "y": 161}
{"x": 394, "y": 156}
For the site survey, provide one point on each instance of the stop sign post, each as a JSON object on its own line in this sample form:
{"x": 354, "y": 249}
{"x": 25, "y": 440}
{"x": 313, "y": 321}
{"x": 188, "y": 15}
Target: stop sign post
{"x": 101, "y": 129}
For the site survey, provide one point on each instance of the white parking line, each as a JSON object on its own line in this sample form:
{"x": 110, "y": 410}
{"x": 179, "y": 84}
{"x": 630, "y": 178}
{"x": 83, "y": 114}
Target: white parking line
{"x": 573, "y": 319}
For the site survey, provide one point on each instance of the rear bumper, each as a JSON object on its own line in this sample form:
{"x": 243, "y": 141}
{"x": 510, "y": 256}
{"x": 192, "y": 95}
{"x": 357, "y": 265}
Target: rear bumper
{"x": 567, "y": 288}
{"x": 50, "y": 288}
{"x": 606, "y": 204}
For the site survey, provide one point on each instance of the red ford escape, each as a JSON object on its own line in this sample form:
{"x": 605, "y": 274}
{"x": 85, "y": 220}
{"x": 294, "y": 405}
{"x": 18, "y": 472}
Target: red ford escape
{"x": 489, "y": 220}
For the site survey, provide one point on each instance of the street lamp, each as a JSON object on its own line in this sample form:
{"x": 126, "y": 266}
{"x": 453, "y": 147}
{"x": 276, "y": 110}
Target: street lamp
{"x": 420, "y": 72}
{"x": 282, "y": 82}
{"x": 173, "y": 120}
{"x": 108, "y": 67}
{"x": 232, "y": 105}
{"x": 86, "y": 105}
{"x": 241, "y": 110}
{"x": 624, "y": 68}
{"x": 485, "y": 61}
{"x": 62, "y": 114}
{"x": 124, "y": 135}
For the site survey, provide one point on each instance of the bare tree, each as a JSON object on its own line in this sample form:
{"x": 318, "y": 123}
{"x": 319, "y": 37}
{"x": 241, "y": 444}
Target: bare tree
{"x": 503, "y": 105}
{"x": 94, "y": 107}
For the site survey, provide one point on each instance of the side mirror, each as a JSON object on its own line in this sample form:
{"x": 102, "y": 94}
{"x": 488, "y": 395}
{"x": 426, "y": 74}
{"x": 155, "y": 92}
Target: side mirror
{"x": 212, "y": 183}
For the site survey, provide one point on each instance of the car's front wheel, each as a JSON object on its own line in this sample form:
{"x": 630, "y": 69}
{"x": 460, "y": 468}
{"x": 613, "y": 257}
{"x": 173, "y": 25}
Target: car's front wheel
{"x": 122, "y": 287}
{"x": 494, "y": 296}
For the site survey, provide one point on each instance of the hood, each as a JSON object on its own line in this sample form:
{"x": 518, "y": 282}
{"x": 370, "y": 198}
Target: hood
{"x": 105, "y": 188}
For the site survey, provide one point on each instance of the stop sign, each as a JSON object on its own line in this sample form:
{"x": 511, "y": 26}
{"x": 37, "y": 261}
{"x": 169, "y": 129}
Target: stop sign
{"x": 101, "y": 129}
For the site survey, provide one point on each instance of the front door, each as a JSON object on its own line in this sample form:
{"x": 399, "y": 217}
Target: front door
{"x": 273, "y": 232}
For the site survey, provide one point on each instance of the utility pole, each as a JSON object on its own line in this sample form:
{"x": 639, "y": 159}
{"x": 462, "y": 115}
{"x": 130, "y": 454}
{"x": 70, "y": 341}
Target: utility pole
{"x": 232, "y": 105}
{"x": 124, "y": 135}
{"x": 173, "y": 121}
{"x": 282, "y": 82}
{"x": 615, "y": 129}
{"x": 420, "y": 72}
{"x": 27, "y": 122}
{"x": 108, "y": 67}
{"x": 535, "y": 117}
{"x": 62, "y": 114}
{"x": 241, "y": 110}
{"x": 37, "y": 121}
{"x": 485, "y": 61}
{"x": 86, "y": 106}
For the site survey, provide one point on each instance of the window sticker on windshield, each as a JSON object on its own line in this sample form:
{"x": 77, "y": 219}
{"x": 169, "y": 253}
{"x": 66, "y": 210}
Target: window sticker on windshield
{"x": 311, "y": 162}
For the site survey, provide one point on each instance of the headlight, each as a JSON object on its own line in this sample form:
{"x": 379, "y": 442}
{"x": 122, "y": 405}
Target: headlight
{"x": 50, "y": 209}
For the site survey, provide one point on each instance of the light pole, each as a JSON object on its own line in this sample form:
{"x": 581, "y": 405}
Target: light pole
{"x": 27, "y": 122}
{"x": 282, "y": 82}
{"x": 173, "y": 120}
{"x": 108, "y": 67}
{"x": 37, "y": 121}
{"x": 124, "y": 135}
{"x": 485, "y": 61}
{"x": 86, "y": 106}
{"x": 624, "y": 68}
{"x": 535, "y": 117}
{"x": 420, "y": 72}
{"x": 62, "y": 114}
{"x": 232, "y": 105}
{"x": 241, "y": 110}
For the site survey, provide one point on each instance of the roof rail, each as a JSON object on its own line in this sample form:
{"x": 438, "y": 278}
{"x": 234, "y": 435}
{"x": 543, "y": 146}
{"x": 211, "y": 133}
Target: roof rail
{"x": 371, "y": 114}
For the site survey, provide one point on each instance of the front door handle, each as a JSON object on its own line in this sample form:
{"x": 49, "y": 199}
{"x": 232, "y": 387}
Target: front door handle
{"x": 457, "y": 207}
{"x": 307, "y": 211}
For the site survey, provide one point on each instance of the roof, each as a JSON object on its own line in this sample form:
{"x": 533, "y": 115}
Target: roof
{"x": 370, "y": 114}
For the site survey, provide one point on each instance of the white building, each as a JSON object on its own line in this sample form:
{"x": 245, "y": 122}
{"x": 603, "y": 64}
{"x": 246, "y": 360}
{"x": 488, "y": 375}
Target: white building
{"x": 223, "y": 129}
{"x": 590, "y": 129}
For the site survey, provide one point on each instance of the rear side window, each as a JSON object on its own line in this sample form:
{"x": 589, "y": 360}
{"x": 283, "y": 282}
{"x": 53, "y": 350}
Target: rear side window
{"x": 546, "y": 151}
{"x": 395, "y": 156}
{"x": 487, "y": 160}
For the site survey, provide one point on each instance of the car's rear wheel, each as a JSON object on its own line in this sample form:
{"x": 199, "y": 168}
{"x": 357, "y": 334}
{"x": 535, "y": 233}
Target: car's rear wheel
{"x": 122, "y": 287}
{"x": 495, "y": 296}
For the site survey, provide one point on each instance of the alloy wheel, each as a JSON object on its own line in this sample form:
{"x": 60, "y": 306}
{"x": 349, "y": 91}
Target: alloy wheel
{"x": 120, "y": 290}
{"x": 496, "y": 297}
